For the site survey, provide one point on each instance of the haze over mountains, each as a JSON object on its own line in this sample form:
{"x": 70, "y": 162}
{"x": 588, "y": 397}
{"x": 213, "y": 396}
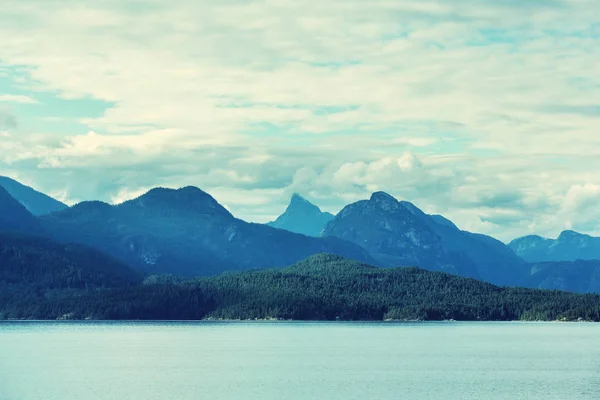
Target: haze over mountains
{"x": 186, "y": 232}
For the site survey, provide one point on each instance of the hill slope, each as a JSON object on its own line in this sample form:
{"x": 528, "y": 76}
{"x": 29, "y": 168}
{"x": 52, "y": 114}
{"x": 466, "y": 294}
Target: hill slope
{"x": 42, "y": 263}
{"x": 14, "y": 217}
{"x": 301, "y": 216}
{"x": 36, "y": 272}
{"x": 186, "y": 232}
{"x": 36, "y": 202}
{"x": 495, "y": 261}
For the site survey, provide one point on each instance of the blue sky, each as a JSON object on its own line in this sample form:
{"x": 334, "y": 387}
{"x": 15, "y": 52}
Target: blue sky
{"x": 486, "y": 112}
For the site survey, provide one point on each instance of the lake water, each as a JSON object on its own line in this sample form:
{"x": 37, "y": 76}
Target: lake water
{"x": 281, "y": 361}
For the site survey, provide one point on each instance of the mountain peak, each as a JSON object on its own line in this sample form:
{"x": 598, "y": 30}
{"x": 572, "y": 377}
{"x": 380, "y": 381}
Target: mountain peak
{"x": 296, "y": 198}
{"x": 529, "y": 240}
{"x": 569, "y": 235}
{"x": 192, "y": 190}
{"x": 298, "y": 201}
{"x": 189, "y": 198}
{"x": 92, "y": 205}
{"x": 385, "y": 201}
{"x": 189, "y": 192}
{"x": 302, "y": 216}
{"x": 383, "y": 197}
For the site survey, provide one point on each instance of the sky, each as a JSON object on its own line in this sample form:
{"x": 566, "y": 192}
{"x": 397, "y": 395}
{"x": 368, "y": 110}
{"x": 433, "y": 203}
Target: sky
{"x": 485, "y": 112}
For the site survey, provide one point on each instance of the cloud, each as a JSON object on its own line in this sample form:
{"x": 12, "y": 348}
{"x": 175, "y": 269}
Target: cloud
{"x": 125, "y": 194}
{"x": 19, "y": 99}
{"x": 484, "y": 111}
{"x": 580, "y": 208}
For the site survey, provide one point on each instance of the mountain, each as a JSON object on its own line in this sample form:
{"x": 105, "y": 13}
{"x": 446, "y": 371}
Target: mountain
{"x": 399, "y": 233}
{"x": 37, "y": 203}
{"x": 569, "y": 246}
{"x": 301, "y": 216}
{"x": 574, "y": 276}
{"x": 395, "y": 236}
{"x": 323, "y": 287}
{"x": 14, "y": 217}
{"x": 186, "y": 232}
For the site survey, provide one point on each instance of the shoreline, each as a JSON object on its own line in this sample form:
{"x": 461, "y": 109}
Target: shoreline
{"x": 284, "y": 321}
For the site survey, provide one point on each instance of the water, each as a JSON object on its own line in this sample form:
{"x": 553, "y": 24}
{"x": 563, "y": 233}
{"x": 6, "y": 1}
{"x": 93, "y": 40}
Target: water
{"x": 280, "y": 361}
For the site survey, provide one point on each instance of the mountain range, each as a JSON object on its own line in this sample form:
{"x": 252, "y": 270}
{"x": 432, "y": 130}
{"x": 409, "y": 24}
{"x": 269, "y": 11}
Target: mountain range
{"x": 568, "y": 246}
{"x": 186, "y": 232}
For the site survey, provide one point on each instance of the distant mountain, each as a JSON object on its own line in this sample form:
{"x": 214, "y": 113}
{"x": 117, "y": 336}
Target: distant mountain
{"x": 569, "y": 246}
{"x": 14, "y": 217}
{"x": 323, "y": 287}
{"x": 573, "y": 276}
{"x": 186, "y": 232}
{"x": 36, "y": 202}
{"x": 399, "y": 233}
{"x": 301, "y": 216}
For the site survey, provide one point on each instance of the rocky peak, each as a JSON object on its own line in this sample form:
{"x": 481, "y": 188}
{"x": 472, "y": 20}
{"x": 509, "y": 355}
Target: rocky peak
{"x": 302, "y": 216}
{"x": 384, "y": 201}
{"x": 569, "y": 235}
{"x": 298, "y": 202}
{"x": 186, "y": 199}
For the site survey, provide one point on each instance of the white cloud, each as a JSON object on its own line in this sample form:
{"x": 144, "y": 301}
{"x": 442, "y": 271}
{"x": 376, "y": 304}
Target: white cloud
{"x": 126, "y": 194}
{"x": 20, "y": 99}
{"x": 579, "y": 197}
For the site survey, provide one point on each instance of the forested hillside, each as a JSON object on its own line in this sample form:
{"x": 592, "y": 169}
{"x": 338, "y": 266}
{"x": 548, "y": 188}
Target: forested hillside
{"x": 323, "y": 287}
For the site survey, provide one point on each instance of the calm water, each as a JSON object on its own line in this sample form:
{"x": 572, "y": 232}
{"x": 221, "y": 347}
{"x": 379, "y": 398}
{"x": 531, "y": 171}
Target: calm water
{"x": 279, "y": 361}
